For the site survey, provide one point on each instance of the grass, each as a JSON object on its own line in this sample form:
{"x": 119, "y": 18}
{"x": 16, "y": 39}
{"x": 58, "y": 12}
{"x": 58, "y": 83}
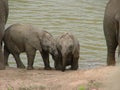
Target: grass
{"x": 92, "y": 84}
{"x": 9, "y": 87}
{"x": 82, "y": 88}
{"x": 33, "y": 88}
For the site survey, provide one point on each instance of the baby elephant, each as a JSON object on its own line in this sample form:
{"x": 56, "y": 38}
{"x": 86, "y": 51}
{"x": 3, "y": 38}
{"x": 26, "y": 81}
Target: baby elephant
{"x": 20, "y": 38}
{"x": 68, "y": 49}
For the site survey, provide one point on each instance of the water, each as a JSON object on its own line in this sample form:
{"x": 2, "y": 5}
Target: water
{"x": 83, "y": 18}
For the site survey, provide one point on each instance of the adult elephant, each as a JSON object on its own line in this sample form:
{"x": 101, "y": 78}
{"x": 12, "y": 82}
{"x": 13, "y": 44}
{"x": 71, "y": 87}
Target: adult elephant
{"x": 3, "y": 19}
{"x": 112, "y": 29}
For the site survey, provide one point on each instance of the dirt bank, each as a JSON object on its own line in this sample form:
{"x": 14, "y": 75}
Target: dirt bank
{"x": 21, "y": 79}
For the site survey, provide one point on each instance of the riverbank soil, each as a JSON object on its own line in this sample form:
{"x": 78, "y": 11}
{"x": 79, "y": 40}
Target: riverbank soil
{"x": 101, "y": 78}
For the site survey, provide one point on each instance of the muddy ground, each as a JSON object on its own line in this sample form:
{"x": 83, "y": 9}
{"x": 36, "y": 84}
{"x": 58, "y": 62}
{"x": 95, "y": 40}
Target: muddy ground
{"x": 102, "y": 78}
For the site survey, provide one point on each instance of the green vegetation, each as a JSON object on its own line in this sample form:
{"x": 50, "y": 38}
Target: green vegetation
{"x": 33, "y": 88}
{"x": 92, "y": 84}
{"x": 82, "y": 88}
{"x": 9, "y": 87}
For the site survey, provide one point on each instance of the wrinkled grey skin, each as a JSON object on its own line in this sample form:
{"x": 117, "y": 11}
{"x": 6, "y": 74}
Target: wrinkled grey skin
{"x": 20, "y": 38}
{"x": 3, "y": 20}
{"x": 68, "y": 48}
{"x": 112, "y": 29}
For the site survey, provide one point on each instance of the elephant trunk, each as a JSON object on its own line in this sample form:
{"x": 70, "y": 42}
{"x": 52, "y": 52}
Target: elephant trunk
{"x": 64, "y": 62}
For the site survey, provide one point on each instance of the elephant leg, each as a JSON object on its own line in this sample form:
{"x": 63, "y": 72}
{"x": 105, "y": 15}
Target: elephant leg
{"x": 6, "y": 55}
{"x": 64, "y": 62}
{"x": 119, "y": 42}
{"x": 45, "y": 56}
{"x": 111, "y": 48}
{"x": 2, "y": 63}
{"x": 30, "y": 56}
{"x": 18, "y": 61}
{"x": 111, "y": 40}
{"x": 74, "y": 64}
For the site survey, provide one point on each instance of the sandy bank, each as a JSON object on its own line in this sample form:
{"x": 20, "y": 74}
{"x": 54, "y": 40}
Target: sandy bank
{"x": 21, "y": 79}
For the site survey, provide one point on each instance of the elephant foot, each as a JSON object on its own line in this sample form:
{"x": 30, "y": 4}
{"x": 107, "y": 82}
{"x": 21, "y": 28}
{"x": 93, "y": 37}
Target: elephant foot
{"x": 74, "y": 68}
{"x": 2, "y": 67}
{"x": 111, "y": 63}
{"x": 21, "y": 66}
{"x": 58, "y": 68}
{"x": 47, "y": 68}
{"x": 7, "y": 64}
{"x": 63, "y": 69}
{"x": 30, "y": 68}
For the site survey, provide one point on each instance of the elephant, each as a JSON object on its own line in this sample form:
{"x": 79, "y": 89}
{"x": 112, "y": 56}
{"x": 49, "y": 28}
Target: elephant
{"x": 4, "y": 10}
{"x": 68, "y": 49}
{"x": 20, "y": 38}
{"x": 111, "y": 26}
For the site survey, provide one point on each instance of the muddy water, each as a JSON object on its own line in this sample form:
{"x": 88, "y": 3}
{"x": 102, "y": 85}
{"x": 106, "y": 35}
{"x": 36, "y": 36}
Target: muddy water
{"x": 83, "y": 18}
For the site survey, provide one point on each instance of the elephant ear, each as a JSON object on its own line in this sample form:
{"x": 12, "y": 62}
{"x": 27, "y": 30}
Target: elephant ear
{"x": 35, "y": 43}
